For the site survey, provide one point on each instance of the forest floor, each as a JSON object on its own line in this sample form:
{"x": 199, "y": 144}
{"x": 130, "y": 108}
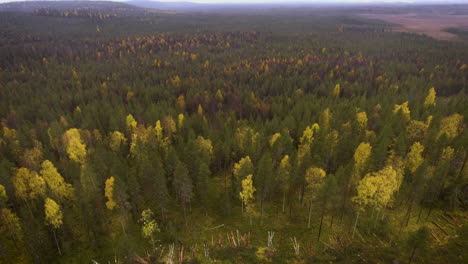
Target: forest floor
{"x": 432, "y": 25}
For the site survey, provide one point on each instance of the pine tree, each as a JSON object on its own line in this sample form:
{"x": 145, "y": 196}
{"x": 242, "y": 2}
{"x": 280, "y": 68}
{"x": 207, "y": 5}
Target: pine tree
{"x": 264, "y": 180}
{"x": 183, "y": 186}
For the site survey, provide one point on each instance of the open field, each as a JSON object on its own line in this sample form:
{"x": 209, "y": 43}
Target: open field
{"x": 433, "y": 25}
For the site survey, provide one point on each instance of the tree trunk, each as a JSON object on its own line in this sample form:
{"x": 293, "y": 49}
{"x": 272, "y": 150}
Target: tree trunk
{"x": 412, "y": 255}
{"x": 123, "y": 227}
{"x": 310, "y": 213}
{"x": 408, "y": 213}
{"x": 355, "y": 224}
{"x": 302, "y": 193}
{"x": 343, "y": 205}
{"x": 185, "y": 214}
{"x": 331, "y": 221}
{"x": 56, "y": 242}
{"x": 261, "y": 211}
{"x": 321, "y": 222}
{"x": 284, "y": 201}
{"x": 420, "y": 213}
{"x": 430, "y": 210}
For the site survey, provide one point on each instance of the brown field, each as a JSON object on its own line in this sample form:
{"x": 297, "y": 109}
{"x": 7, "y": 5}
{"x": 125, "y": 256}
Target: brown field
{"x": 432, "y": 25}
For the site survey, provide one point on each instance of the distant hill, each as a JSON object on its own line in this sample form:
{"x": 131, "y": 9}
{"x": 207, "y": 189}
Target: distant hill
{"x": 96, "y": 6}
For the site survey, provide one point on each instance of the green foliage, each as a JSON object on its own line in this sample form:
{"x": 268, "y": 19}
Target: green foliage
{"x": 251, "y": 115}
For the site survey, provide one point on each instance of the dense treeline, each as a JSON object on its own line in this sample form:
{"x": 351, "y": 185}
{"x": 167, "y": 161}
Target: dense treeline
{"x": 231, "y": 141}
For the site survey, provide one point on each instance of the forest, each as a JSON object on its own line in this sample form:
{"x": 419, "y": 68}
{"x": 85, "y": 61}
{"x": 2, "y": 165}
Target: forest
{"x": 315, "y": 135}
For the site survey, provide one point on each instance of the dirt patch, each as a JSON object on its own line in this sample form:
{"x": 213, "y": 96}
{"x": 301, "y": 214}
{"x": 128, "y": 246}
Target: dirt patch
{"x": 432, "y": 25}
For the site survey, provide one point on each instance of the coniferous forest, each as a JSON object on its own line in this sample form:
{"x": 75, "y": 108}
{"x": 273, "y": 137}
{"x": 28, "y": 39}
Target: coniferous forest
{"x": 132, "y": 135}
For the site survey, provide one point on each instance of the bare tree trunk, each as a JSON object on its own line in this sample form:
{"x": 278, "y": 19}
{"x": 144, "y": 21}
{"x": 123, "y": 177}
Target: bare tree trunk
{"x": 408, "y": 213}
{"x": 310, "y": 213}
{"x": 321, "y": 222}
{"x": 56, "y": 242}
{"x": 284, "y": 201}
{"x": 185, "y": 214}
{"x": 302, "y": 193}
{"x": 420, "y": 213}
{"x": 343, "y": 205}
{"x": 261, "y": 211}
{"x": 412, "y": 255}
{"x": 355, "y": 224}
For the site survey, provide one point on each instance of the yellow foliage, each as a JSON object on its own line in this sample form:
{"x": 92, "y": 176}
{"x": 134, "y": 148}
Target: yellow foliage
{"x": 129, "y": 96}
{"x": 9, "y": 134}
{"x": 176, "y": 81}
{"x": 204, "y": 148}
{"x": 325, "y": 119}
{"x": 336, "y": 90}
{"x": 3, "y": 194}
{"x": 404, "y": 109}
{"x": 158, "y": 130}
{"x": 10, "y": 224}
{"x": 109, "y": 193}
{"x": 243, "y": 168}
{"x": 53, "y": 213}
{"x": 274, "y": 138}
{"x": 431, "y": 97}
{"x": 308, "y": 134}
{"x": 376, "y": 189}
{"x": 200, "y": 110}
{"x": 149, "y": 225}
{"x": 169, "y": 125}
{"x": 314, "y": 178}
{"x": 28, "y": 184}
{"x": 451, "y": 126}
{"x": 74, "y": 145}
{"x": 32, "y": 157}
{"x": 116, "y": 140}
{"x": 284, "y": 172}
{"x": 131, "y": 122}
{"x": 181, "y": 102}
{"x": 447, "y": 154}
{"x": 246, "y": 136}
{"x": 247, "y": 194}
{"x": 180, "y": 121}
{"x": 219, "y": 96}
{"x": 416, "y": 130}
{"x": 361, "y": 156}
{"x": 361, "y": 118}
{"x": 57, "y": 185}
{"x": 264, "y": 254}
{"x": 414, "y": 158}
